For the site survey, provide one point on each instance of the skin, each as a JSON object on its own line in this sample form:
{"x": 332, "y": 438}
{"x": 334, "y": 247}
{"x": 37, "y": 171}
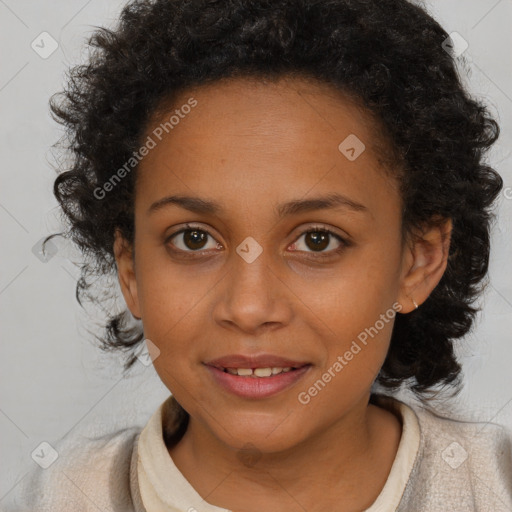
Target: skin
{"x": 250, "y": 146}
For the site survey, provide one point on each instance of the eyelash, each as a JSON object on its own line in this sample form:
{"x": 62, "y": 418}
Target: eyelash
{"x": 315, "y": 229}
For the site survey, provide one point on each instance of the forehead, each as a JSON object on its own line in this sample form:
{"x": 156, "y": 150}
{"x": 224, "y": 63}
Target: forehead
{"x": 290, "y": 135}
{"x": 258, "y": 109}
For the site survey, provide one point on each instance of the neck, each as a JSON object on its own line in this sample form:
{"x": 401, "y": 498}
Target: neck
{"x": 355, "y": 452}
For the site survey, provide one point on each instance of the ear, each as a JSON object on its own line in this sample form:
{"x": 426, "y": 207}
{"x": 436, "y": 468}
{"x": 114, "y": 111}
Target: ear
{"x": 123, "y": 253}
{"x": 424, "y": 263}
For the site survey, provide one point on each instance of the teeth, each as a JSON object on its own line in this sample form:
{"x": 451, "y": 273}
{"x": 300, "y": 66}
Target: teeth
{"x": 244, "y": 371}
{"x": 263, "y": 372}
{"x": 257, "y": 372}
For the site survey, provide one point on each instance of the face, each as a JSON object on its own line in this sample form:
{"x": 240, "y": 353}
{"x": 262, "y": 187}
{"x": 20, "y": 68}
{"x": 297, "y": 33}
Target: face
{"x": 261, "y": 243}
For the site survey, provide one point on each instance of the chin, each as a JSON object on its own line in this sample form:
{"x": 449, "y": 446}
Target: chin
{"x": 269, "y": 435}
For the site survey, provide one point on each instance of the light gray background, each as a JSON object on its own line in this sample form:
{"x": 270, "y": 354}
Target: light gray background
{"x": 53, "y": 380}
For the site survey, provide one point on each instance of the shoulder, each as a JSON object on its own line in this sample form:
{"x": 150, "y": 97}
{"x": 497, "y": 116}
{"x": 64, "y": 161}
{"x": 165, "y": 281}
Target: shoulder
{"x": 460, "y": 466}
{"x": 483, "y": 445}
{"x": 89, "y": 474}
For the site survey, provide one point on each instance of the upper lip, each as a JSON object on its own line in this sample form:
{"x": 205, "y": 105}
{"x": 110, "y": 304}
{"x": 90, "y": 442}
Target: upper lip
{"x": 259, "y": 361}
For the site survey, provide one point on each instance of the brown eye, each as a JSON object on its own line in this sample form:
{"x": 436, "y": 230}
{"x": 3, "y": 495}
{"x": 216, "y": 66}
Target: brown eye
{"x": 192, "y": 239}
{"x": 317, "y": 240}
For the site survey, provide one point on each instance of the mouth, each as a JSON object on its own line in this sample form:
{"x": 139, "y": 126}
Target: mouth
{"x": 257, "y": 382}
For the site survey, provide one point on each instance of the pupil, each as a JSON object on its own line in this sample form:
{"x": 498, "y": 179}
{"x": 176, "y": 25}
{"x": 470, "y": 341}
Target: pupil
{"x": 193, "y": 237}
{"x": 320, "y": 240}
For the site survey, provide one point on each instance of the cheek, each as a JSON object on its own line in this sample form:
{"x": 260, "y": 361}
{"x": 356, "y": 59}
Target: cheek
{"x": 167, "y": 292}
{"x": 357, "y": 291}
{"x": 354, "y": 312}
{"x": 167, "y": 305}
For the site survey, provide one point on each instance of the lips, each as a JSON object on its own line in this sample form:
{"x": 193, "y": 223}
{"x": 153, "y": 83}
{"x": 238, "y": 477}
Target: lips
{"x": 254, "y": 387}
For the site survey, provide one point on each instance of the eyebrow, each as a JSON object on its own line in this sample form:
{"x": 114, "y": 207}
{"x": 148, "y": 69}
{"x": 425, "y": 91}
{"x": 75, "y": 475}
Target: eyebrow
{"x": 205, "y": 206}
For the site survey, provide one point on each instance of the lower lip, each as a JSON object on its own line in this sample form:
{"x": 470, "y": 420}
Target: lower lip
{"x": 257, "y": 387}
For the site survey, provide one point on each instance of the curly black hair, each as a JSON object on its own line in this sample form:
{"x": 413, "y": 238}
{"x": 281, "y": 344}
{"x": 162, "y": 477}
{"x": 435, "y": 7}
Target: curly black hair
{"x": 387, "y": 54}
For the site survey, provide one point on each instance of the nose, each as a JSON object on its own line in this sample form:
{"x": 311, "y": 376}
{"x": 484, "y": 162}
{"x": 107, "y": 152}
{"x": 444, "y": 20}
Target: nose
{"x": 253, "y": 297}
